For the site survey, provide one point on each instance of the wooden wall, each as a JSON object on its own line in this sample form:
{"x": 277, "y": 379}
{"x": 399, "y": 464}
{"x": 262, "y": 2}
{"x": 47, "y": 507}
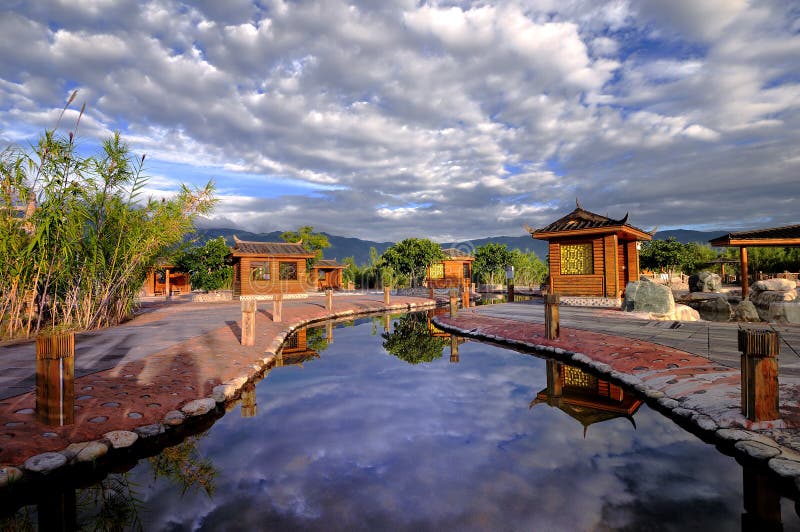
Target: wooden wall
{"x": 615, "y": 264}
{"x": 242, "y": 286}
{"x": 453, "y": 275}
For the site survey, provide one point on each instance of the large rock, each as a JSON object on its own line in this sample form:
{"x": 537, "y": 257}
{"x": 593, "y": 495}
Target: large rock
{"x": 765, "y": 298}
{"x": 773, "y": 285}
{"x": 712, "y": 308}
{"x": 121, "y": 439}
{"x": 705, "y": 282}
{"x": 647, "y": 296}
{"x": 785, "y": 312}
{"x": 45, "y": 462}
{"x": 198, "y": 407}
{"x": 684, "y": 313}
{"x": 746, "y": 311}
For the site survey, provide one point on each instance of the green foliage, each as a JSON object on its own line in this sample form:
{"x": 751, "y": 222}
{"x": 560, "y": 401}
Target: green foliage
{"x": 410, "y": 258}
{"x": 350, "y": 273}
{"x": 410, "y": 340}
{"x": 768, "y": 260}
{"x": 528, "y": 268}
{"x": 696, "y": 257}
{"x": 666, "y": 254}
{"x": 490, "y": 262}
{"x": 206, "y": 265}
{"x": 78, "y": 260}
{"x": 313, "y": 242}
{"x": 184, "y": 466}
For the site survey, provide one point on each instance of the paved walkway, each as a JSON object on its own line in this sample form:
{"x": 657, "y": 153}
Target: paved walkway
{"x": 668, "y": 363}
{"x": 130, "y": 377}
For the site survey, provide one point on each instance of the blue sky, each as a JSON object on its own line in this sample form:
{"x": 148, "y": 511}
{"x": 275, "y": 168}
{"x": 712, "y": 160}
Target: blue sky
{"x": 451, "y": 120}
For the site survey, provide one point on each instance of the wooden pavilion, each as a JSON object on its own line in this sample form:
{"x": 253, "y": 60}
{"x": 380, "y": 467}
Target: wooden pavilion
{"x": 166, "y": 280}
{"x": 591, "y": 255}
{"x": 584, "y": 397}
{"x": 455, "y": 271}
{"x": 786, "y": 236}
{"x": 263, "y": 269}
{"x": 328, "y": 274}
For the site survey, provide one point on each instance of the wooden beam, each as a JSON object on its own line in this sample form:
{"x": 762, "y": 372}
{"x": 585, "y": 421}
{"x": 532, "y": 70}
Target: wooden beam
{"x": 743, "y": 270}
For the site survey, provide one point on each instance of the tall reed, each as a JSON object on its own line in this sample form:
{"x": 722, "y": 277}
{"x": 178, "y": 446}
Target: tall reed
{"x": 78, "y": 259}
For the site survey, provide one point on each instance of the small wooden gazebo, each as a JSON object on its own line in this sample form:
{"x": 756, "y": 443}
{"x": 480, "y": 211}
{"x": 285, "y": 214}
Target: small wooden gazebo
{"x": 591, "y": 255}
{"x": 328, "y": 274}
{"x": 786, "y": 236}
{"x": 263, "y": 269}
{"x": 166, "y": 280}
{"x": 455, "y": 271}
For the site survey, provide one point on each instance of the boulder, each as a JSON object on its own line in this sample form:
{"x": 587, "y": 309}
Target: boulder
{"x": 684, "y": 313}
{"x": 647, "y": 296}
{"x": 120, "y": 439}
{"x": 785, "y": 312}
{"x": 765, "y": 298}
{"x": 705, "y": 282}
{"x": 712, "y": 308}
{"x": 174, "y": 418}
{"x": 746, "y": 311}
{"x": 198, "y": 407}
{"x": 45, "y": 462}
{"x": 773, "y": 285}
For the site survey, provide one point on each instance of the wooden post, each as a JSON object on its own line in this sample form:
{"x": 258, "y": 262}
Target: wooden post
{"x": 454, "y": 349}
{"x": 167, "y": 289}
{"x": 387, "y": 322}
{"x": 762, "y": 500}
{"x": 759, "y": 362}
{"x": 329, "y": 300}
{"x": 510, "y": 292}
{"x": 465, "y": 297}
{"x": 249, "y": 307}
{"x": 554, "y": 388}
{"x": 277, "y": 308}
{"x": 743, "y": 271}
{"x": 55, "y": 379}
{"x": 430, "y": 293}
{"x": 329, "y": 332}
{"x": 453, "y": 302}
{"x": 387, "y": 295}
{"x": 249, "y": 405}
{"x": 551, "y": 326}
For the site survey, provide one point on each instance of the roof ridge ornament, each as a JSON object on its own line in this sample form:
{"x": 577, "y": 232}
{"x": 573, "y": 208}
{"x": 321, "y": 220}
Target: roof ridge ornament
{"x": 578, "y": 203}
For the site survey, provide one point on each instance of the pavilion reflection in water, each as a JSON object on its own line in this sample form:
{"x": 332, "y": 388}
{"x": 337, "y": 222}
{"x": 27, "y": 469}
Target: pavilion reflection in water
{"x": 584, "y": 397}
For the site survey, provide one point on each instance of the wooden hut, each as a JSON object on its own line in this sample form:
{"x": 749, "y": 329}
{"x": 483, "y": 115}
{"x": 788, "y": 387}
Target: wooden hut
{"x": 262, "y": 269}
{"x": 166, "y": 280}
{"x": 591, "y": 255}
{"x": 455, "y": 271}
{"x": 328, "y": 274}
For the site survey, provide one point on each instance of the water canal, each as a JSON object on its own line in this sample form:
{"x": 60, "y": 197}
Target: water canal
{"x": 389, "y": 424}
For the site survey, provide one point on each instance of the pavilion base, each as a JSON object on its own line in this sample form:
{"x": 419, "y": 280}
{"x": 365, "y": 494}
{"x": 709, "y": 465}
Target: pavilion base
{"x": 587, "y": 301}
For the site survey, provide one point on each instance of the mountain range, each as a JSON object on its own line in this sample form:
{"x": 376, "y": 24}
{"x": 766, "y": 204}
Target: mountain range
{"x": 342, "y": 246}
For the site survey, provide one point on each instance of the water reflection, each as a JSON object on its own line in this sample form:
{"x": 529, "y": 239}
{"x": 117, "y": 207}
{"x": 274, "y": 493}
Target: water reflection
{"x": 584, "y": 397}
{"x": 362, "y": 440}
{"x": 411, "y": 339}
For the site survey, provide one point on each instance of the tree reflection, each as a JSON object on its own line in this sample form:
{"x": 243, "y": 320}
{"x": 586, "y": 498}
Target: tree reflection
{"x": 114, "y": 502}
{"x": 183, "y": 466}
{"x": 411, "y": 340}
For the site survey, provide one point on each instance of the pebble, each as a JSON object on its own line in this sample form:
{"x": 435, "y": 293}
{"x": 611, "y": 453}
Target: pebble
{"x": 223, "y": 392}
{"x": 757, "y": 450}
{"x": 45, "y": 463}
{"x": 784, "y": 467}
{"x": 705, "y": 422}
{"x": 174, "y": 418}
{"x": 148, "y": 431}
{"x": 91, "y": 452}
{"x": 8, "y": 475}
{"x": 120, "y": 439}
{"x": 198, "y": 407}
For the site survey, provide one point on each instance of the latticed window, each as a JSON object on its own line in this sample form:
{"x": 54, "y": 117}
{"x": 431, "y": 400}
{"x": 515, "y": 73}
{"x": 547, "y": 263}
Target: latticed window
{"x": 259, "y": 271}
{"x": 437, "y": 271}
{"x": 288, "y": 271}
{"x": 576, "y": 259}
{"x": 575, "y": 378}
{"x": 466, "y": 270}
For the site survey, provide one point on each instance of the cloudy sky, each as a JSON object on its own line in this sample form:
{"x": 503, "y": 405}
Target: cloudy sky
{"x": 384, "y": 119}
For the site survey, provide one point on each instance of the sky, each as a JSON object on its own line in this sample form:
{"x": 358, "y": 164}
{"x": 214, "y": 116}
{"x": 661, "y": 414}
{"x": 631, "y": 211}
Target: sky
{"x": 389, "y": 119}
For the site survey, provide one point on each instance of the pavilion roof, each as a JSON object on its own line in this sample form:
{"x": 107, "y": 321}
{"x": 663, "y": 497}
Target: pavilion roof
{"x": 329, "y": 264}
{"x": 283, "y": 249}
{"x": 788, "y": 235}
{"x": 581, "y": 221}
{"x": 454, "y": 253}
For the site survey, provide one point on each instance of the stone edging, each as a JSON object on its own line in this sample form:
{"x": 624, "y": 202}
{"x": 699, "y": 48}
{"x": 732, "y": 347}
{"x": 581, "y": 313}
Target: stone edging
{"x": 781, "y": 460}
{"x": 122, "y": 441}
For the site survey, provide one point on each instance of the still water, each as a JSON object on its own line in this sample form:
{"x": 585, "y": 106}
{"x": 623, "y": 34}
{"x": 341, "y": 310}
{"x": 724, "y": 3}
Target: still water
{"x": 366, "y": 428}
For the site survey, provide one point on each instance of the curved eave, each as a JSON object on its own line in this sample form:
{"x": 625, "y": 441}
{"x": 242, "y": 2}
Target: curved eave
{"x": 458, "y": 259}
{"x": 237, "y": 254}
{"x": 624, "y": 231}
{"x": 725, "y": 242}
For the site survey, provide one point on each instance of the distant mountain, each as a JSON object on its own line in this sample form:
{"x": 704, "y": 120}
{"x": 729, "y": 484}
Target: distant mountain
{"x": 342, "y": 246}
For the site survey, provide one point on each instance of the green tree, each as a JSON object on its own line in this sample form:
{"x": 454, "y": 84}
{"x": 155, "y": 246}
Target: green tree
{"x": 411, "y": 257}
{"x": 206, "y": 265}
{"x": 528, "y": 268}
{"x": 351, "y": 273}
{"x": 79, "y": 258}
{"x": 696, "y": 256}
{"x": 668, "y": 254}
{"x": 490, "y": 261}
{"x": 313, "y": 242}
{"x": 410, "y": 340}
